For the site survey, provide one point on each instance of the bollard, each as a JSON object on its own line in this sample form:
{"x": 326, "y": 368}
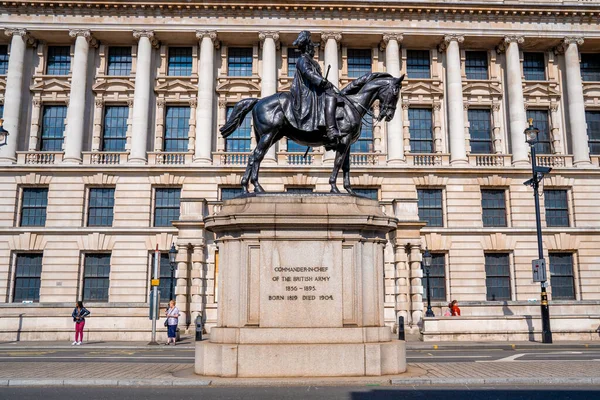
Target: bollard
{"x": 401, "y": 333}
{"x": 198, "y": 328}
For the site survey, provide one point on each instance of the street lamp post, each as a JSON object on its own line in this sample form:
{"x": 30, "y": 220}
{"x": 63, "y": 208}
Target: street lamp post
{"x": 172, "y": 256}
{"x": 531, "y": 134}
{"x": 426, "y": 263}
{"x": 3, "y": 134}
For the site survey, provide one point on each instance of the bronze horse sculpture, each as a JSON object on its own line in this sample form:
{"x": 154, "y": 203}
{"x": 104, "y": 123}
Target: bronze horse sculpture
{"x": 270, "y": 124}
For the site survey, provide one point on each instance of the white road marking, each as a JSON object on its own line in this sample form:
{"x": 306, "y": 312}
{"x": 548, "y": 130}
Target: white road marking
{"x": 510, "y": 358}
{"x": 448, "y": 356}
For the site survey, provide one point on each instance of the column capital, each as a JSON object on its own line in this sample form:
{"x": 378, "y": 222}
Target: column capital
{"x": 325, "y": 36}
{"x": 450, "y": 38}
{"x": 86, "y": 33}
{"x": 263, "y": 35}
{"x": 193, "y": 103}
{"x": 398, "y": 37}
{"x": 24, "y": 33}
{"x": 501, "y": 48}
{"x": 145, "y": 33}
{"x": 561, "y": 48}
{"x": 212, "y": 35}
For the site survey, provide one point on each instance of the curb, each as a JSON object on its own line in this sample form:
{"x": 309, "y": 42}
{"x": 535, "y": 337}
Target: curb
{"x": 102, "y": 383}
{"x": 497, "y": 381}
{"x": 522, "y": 346}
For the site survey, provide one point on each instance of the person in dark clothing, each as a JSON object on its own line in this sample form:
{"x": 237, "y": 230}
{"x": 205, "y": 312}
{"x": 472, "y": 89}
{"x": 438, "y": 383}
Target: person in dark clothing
{"x": 79, "y": 314}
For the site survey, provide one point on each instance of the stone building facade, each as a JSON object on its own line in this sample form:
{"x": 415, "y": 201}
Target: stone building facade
{"x": 113, "y": 110}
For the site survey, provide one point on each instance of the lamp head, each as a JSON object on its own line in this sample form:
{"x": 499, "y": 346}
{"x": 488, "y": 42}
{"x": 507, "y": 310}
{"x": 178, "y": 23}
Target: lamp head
{"x": 3, "y": 133}
{"x": 172, "y": 254}
{"x": 427, "y": 258}
{"x": 531, "y": 133}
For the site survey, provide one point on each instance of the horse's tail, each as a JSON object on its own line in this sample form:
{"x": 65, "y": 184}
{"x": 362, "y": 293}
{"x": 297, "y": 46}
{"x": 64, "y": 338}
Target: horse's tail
{"x": 238, "y": 113}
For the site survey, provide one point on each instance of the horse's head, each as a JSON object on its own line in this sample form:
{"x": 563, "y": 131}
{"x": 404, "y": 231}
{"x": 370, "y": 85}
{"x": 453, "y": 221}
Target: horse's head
{"x": 388, "y": 98}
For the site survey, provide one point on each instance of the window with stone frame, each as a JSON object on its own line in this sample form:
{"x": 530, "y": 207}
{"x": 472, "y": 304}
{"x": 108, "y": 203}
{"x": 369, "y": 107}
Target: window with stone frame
{"x": 114, "y": 137}
{"x": 119, "y": 61}
{"x": 557, "y": 207}
{"x": 592, "y": 118}
{"x": 364, "y": 144}
{"x": 240, "y": 141}
{"x": 541, "y": 122}
{"x": 228, "y": 193}
{"x": 590, "y": 67}
{"x": 418, "y": 64}
{"x": 534, "y": 66}
{"x": 239, "y": 61}
{"x": 53, "y": 128}
{"x": 299, "y": 190}
{"x": 493, "y": 206}
{"x": 101, "y": 204}
{"x": 1, "y": 110}
{"x": 27, "y": 279}
{"x": 58, "y": 61}
{"x": 96, "y": 277}
{"x": 562, "y": 280}
{"x": 480, "y": 131}
{"x": 34, "y": 202}
{"x": 164, "y": 272}
{"x": 292, "y": 56}
{"x": 359, "y": 62}
{"x": 177, "y": 129}
{"x": 437, "y": 278}
{"x": 369, "y": 193}
{"x": 431, "y": 209}
{"x": 180, "y": 61}
{"x": 3, "y": 59}
{"x": 166, "y": 205}
{"x": 476, "y": 65}
{"x": 420, "y": 130}
{"x": 497, "y": 276}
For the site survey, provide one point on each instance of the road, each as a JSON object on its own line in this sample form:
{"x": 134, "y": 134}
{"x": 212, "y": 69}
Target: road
{"x": 185, "y": 355}
{"x": 309, "y": 393}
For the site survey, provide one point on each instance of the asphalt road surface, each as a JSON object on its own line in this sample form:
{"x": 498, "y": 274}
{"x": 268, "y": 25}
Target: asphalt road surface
{"x": 185, "y": 355}
{"x": 308, "y": 393}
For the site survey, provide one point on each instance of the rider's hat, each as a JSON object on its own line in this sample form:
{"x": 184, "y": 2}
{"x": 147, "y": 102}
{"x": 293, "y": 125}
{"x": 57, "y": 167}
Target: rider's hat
{"x": 303, "y": 40}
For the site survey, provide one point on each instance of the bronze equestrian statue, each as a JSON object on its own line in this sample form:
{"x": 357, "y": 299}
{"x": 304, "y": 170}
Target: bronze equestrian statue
{"x": 314, "y": 113}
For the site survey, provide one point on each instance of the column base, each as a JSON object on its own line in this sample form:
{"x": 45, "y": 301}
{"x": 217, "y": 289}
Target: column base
{"x": 521, "y": 163}
{"x": 202, "y": 161}
{"x": 8, "y": 161}
{"x": 269, "y": 161}
{"x": 137, "y": 161}
{"x": 71, "y": 161}
{"x": 396, "y": 161}
{"x": 459, "y": 163}
{"x": 583, "y": 164}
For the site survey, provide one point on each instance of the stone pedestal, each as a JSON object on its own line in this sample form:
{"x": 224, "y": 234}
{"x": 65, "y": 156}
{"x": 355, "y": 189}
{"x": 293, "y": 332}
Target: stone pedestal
{"x": 300, "y": 289}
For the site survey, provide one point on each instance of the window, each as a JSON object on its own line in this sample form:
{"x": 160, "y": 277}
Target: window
{"x": 180, "y": 61}
{"x": 369, "y": 193}
{"x": 534, "y": 67}
{"x": 557, "y": 208}
{"x": 53, "y": 128}
{"x": 561, "y": 276}
{"x": 96, "y": 277}
{"x": 115, "y": 128}
{"x": 33, "y": 206}
{"x": 364, "y": 144}
{"x": 119, "y": 61}
{"x": 240, "y": 140}
{"x": 3, "y": 59}
{"x": 1, "y": 110}
{"x": 417, "y": 64}
{"x": 540, "y": 121}
{"x": 165, "y": 278}
{"x": 359, "y": 62}
{"x": 100, "y": 207}
{"x": 593, "y": 130}
{"x": 493, "y": 206}
{"x": 293, "y": 147}
{"x": 59, "y": 60}
{"x": 476, "y": 65}
{"x": 239, "y": 61}
{"x": 166, "y": 209}
{"x": 590, "y": 67}
{"x": 437, "y": 278}
{"x": 177, "y": 129}
{"x": 299, "y": 190}
{"x": 28, "y": 271}
{"x": 480, "y": 130}
{"x": 421, "y": 130}
{"x": 430, "y": 206}
{"x": 293, "y": 55}
{"x": 230, "y": 193}
{"x": 497, "y": 277}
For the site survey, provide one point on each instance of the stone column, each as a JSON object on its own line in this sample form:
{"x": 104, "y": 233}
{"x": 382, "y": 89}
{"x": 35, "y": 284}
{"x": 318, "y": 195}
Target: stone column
{"x": 332, "y": 41}
{"x": 395, "y": 141}
{"x": 437, "y": 127}
{"x": 97, "y": 130}
{"x": 416, "y": 284}
{"x": 13, "y": 93}
{"x": 516, "y": 101}
{"x": 579, "y": 137}
{"x": 497, "y": 138}
{"x": 141, "y": 96}
{"x": 456, "y": 120}
{"x": 76, "y": 114}
{"x": 269, "y": 76}
{"x": 198, "y": 282}
{"x": 181, "y": 284}
{"x": 206, "y": 93}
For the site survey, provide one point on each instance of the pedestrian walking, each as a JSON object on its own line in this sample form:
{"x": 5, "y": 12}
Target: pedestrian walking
{"x": 172, "y": 314}
{"x": 454, "y": 308}
{"x": 79, "y": 314}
